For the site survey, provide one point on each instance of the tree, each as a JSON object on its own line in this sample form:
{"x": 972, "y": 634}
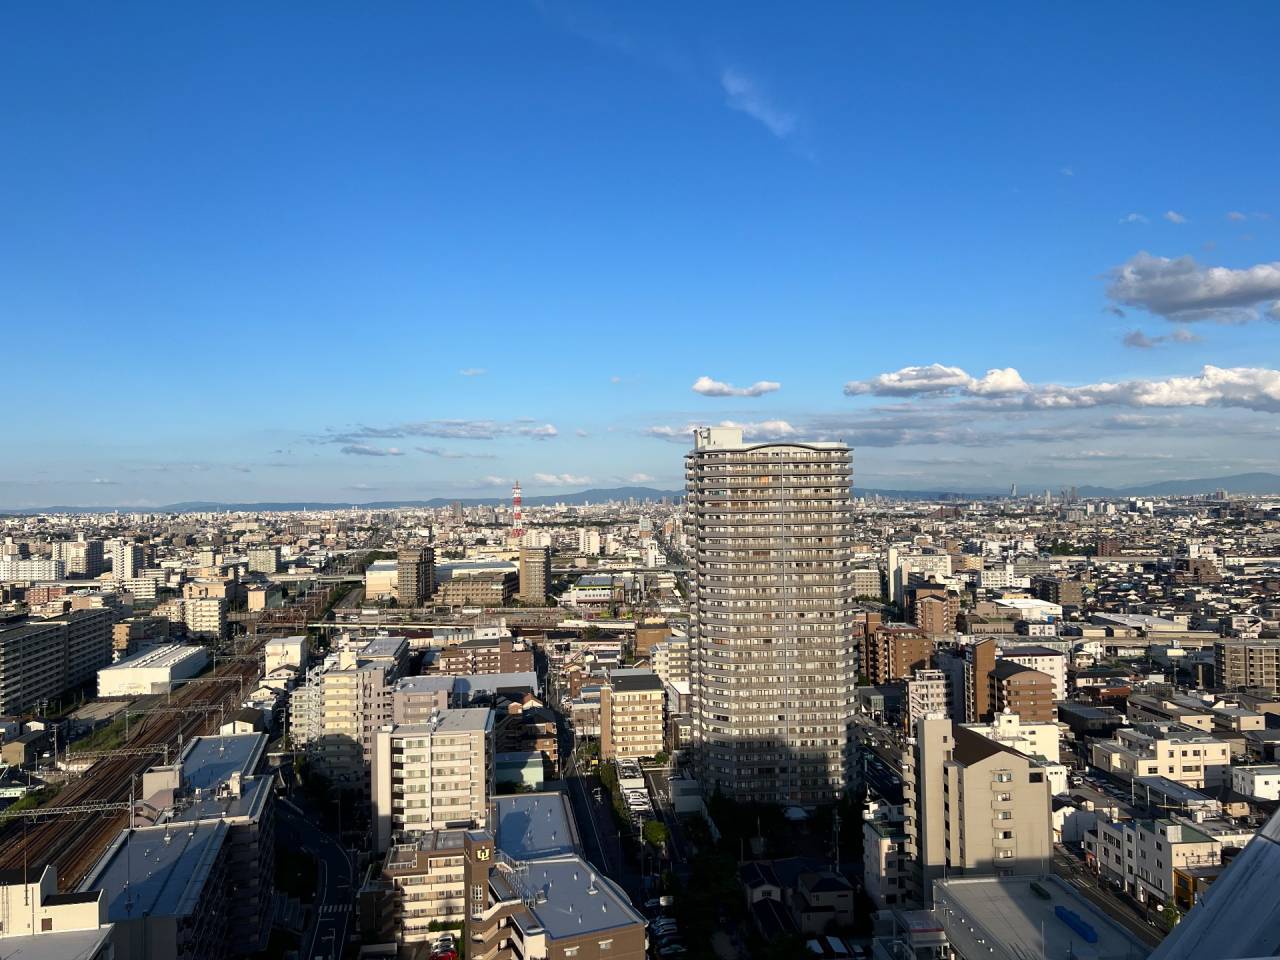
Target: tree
{"x": 655, "y": 833}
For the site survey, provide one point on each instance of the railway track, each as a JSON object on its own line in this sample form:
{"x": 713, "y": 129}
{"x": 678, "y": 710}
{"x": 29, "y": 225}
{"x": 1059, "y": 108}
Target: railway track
{"x": 72, "y": 842}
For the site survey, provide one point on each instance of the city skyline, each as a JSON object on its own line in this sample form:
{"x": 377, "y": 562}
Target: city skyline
{"x": 353, "y": 258}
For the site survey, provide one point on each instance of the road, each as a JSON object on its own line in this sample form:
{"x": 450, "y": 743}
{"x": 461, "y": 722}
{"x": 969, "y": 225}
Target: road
{"x": 659, "y": 792}
{"x": 335, "y": 896}
{"x": 1123, "y": 911}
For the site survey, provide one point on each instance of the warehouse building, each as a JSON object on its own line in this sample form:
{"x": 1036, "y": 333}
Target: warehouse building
{"x": 152, "y": 671}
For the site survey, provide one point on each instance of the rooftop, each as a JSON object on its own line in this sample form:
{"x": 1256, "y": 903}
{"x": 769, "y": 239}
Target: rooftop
{"x": 166, "y": 656}
{"x": 578, "y": 899}
{"x": 1007, "y": 919}
{"x": 534, "y": 825}
{"x": 210, "y": 761}
{"x": 157, "y": 871}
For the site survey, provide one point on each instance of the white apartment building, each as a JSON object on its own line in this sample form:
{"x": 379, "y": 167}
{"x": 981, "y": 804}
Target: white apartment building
{"x": 429, "y": 776}
{"x": 927, "y": 694}
{"x": 1260, "y": 781}
{"x": 1191, "y": 757}
{"x": 1141, "y": 855}
{"x": 670, "y": 659}
{"x": 126, "y": 559}
{"x": 14, "y": 569}
{"x": 1032, "y": 739}
{"x": 205, "y": 616}
{"x": 773, "y": 663}
{"x": 589, "y": 542}
{"x": 887, "y": 869}
{"x": 285, "y": 652}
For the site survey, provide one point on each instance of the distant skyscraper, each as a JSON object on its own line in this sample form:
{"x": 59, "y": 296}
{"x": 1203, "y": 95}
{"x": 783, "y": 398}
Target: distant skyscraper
{"x": 774, "y": 664}
{"x": 1013, "y": 490}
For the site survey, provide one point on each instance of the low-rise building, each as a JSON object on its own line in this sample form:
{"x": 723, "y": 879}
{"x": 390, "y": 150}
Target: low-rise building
{"x": 1259, "y": 782}
{"x": 1189, "y": 756}
{"x": 152, "y": 671}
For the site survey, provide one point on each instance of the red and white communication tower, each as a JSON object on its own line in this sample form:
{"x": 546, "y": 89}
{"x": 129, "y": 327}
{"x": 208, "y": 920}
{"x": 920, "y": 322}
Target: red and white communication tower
{"x": 517, "y": 518}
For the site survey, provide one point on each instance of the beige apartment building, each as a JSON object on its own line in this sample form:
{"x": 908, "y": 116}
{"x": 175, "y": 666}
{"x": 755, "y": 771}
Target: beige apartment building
{"x": 535, "y": 575}
{"x": 415, "y": 575}
{"x": 773, "y": 664}
{"x": 972, "y": 806}
{"x": 1240, "y": 664}
{"x": 1142, "y": 855}
{"x": 429, "y": 776}
{"x": 631, "y": 716}
{"x": 670, "y": 659}
{"x": 1191, "y": 757}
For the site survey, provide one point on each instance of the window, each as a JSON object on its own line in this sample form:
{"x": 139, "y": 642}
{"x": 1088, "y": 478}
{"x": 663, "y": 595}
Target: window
{"x": 606, "y": 944}
{"x": 46, "y": 924}
{"x": 1037, "y": 777}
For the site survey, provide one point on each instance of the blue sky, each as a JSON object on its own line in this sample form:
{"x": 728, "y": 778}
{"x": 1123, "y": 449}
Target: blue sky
{"x": 355, "y": 253}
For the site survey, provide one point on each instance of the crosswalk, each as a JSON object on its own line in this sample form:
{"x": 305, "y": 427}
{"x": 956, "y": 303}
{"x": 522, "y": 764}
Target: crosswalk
{"x": 336, "y": 908}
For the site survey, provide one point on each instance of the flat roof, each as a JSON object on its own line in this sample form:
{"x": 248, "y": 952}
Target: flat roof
{"x": 580, "y": 900}
{"x": 1007, "y": 920}
{"x": 534, "y": 825}
{"x": 58, "y": 945}
{"x": 168, "y": 655}
{"x": 158, "y": 871}
{"x": 458, "y": 720}
{"x": 210, "y": 761}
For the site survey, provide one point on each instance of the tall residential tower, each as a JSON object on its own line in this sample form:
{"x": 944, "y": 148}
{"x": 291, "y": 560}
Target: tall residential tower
{"x": 773, "y": 664}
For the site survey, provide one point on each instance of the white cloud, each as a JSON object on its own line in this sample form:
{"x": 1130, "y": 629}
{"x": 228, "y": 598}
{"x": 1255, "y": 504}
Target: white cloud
{"x": 581, "y": 433}
{"x": 492, "y": 481}
{"x": 638, "y": 478}
{"x": 1173, "y": 216}
{"x": 1237, "y": 216}
{"x": 743, "y": 94}
{"x": 718, "y": 388}
{"x": 1067, "y": 171}
{"x": 473, "y": 371}
{"x": 366, "y": 450}
{"x": 539, "y": 432}
{"x": 443, "y": 430}
{"x": 1184, "y": 291}
{"x": 762, "y": 430}
{"x": 937, "y": 378}
{"x": 560, "y": 479}
{"x": 1133, "y": 218}
{"x": 454, "y": 454}
{"x": 1251, "y": 388}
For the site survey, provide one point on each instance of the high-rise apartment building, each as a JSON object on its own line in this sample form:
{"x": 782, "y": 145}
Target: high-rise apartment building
{"x": 979, "y": 661}
{"x": 1247, "y": 663}
{"x": 264, "y": 560}
{"x": 773, "y": 663}
{"x": 415, "y": 575}
{"x": 973, "y": 806}
{"x": 535, "y": 575}
{"x": 126, "y": 559}
{"x": 432, "y": 776}
{"x": 40, "y": 659}
{"x": 1021, "y": 690}
{"x": 83, "y": 558}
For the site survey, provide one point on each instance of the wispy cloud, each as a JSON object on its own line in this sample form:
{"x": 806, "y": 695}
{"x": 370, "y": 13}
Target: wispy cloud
{"x": 760, "y": 430}
{"x": 366, "y": 450}
{"x": 1134, "y": 218}
{"x": 1138, "y": 339}
{"x": 718, "y": 388}
{"x": 1173, "y": 216}
{"x": 473, "y": 371}
{"x": 443, "y": 430}
{"x": 743, "y": 94}
{"x": 444, "y": 454}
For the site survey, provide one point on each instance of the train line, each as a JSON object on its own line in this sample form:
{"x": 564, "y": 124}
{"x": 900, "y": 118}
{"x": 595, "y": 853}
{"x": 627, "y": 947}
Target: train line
{"x": 73, "y": 841}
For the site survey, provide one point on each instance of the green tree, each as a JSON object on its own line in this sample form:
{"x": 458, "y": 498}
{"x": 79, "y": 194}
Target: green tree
{"x": 655, "y": 833}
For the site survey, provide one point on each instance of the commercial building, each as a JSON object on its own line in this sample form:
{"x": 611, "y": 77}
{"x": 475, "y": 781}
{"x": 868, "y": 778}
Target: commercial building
{"x": 631, "y": 715}
{"x": 1253, "y": 664}
{"x": 478, "y": 586}
{"x": 432, "y": 776}
{"x": 380, "y": 580}
{"x": 40, "y": 659}
{"x": 973, "y": 806}
{"x": 773, "y": 664}
{"x": 535, "y": 575}
{"x": 415, "y": 575}
{"x": 1140, "y": 856}
{"x": 1191, "y": 757}
{"x": 152, "y": 671}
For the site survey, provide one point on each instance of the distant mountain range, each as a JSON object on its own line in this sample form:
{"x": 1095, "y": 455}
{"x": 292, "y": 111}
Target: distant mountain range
{"x": 1241, "y": 483}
